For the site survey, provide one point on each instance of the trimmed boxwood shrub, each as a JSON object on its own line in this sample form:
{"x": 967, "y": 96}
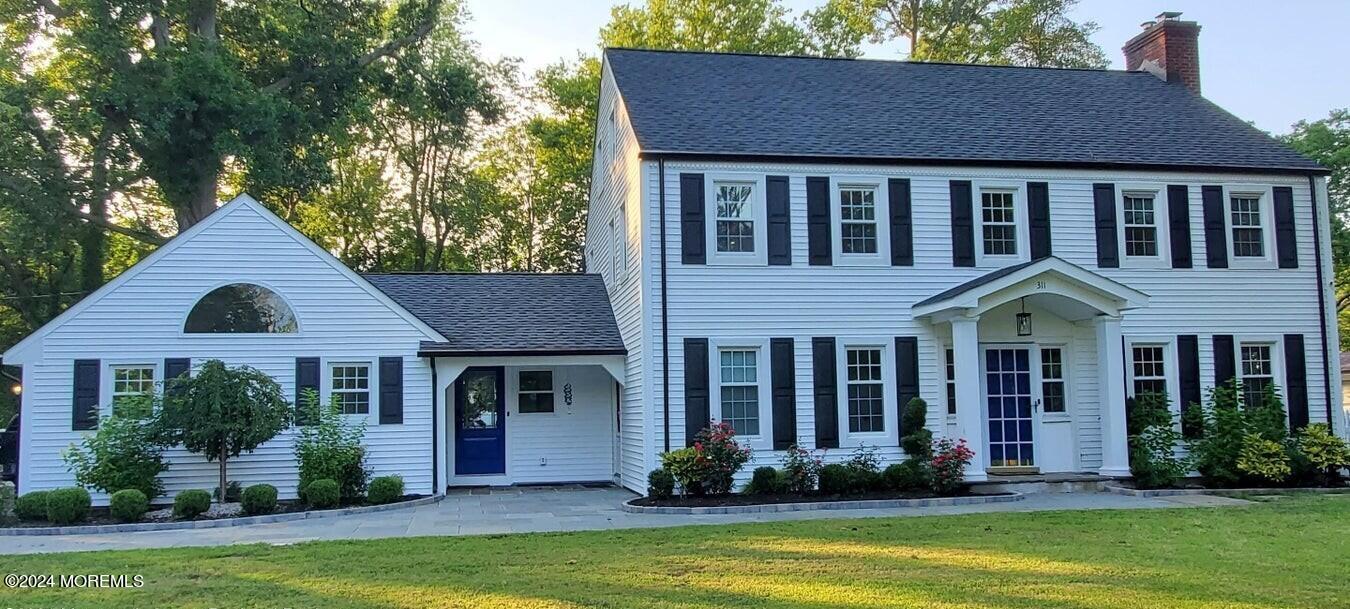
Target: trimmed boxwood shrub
{"x": 32, "y": 506}
{"x": 835, "y": 479}
{"x": 660, "y": 483}
{"x": 323, "y": 494}
{"x": 766, "y": 481}
{"x": 258, "y": 499}
{"x": 128, "y": 505}
{"x": 68, "y": 505}
{"x": 908, "y": 475}
{"x": 191, "y": 504}
{"x": 386, "y": 489}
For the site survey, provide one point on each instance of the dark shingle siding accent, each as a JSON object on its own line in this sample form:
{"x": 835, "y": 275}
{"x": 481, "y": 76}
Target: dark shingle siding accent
{"x": 679, "y": 102}
{"x": 508, "y": 312}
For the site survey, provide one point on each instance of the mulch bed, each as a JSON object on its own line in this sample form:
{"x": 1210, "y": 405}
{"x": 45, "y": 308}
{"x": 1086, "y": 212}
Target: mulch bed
{"x": 100, "y": 515}
{"x": 736, "y": 499}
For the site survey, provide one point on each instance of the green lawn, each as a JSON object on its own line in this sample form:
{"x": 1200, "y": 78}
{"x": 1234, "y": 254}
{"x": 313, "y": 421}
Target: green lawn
{"x": 1294, "y": 552}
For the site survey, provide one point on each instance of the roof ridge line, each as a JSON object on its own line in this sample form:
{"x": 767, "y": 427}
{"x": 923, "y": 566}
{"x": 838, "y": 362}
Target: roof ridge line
{"x": 868, "y": 60}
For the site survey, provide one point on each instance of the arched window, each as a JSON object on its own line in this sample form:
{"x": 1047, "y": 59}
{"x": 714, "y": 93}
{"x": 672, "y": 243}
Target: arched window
{"x": 241, "y": 308}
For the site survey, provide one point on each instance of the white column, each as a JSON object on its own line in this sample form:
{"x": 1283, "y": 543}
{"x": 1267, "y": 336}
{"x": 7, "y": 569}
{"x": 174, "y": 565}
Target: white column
{"x": 969, "y": 405}
{"x": 1111, "y": 389}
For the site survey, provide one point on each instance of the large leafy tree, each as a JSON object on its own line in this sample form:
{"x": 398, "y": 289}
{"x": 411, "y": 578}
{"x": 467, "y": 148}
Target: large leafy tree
{"x": 1327, "y": 141}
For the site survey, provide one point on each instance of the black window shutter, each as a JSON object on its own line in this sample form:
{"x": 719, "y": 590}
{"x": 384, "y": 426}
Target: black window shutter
{"x": 174, "y": 367}
{"x": 84, "y": 403}
{"x": 779, "y": 220}
{"x": 826, "y": 392}
{"x": 784, "y": 381}
{"x": 1038, "y": 216}
{"x": 1188, "y": 368}
{"x": 902, "y": 222}
{"x": 696, "y": 415}
{"x": 1179, "y": 225}
{"x": 306, "y": 377}
{"x": 1286, "y": 238}
{"x": 1104, "y": 206}
{"x": 906, "y": 375}
{"x": 819, "y": 249}
{"x": 1223, "y": 359}
{"x": 963, "y": 224}
{"x": 391, "y": 390}
{"x": 1216, "y": 241}
{"x": 693, "y": 249}
{"x": 1295, "y": 381}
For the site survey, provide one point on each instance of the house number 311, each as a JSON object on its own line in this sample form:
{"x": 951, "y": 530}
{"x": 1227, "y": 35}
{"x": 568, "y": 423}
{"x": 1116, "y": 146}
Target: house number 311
{"x": 1041, "y": 285}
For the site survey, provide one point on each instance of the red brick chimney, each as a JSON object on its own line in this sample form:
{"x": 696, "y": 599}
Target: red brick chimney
{"x": 1169, "y": 48}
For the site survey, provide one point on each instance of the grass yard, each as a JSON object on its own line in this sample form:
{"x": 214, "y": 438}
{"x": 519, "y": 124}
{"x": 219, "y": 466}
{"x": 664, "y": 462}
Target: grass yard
{"x": 1293, "y": 552}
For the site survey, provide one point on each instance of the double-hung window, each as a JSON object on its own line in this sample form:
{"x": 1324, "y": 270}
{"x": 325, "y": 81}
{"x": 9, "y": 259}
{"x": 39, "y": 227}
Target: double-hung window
{"x": 858, "y": 219}
{"x": 1140, "y": 222}
{"x": 866, "y": 402}
{"x": 130, "y": 383}
{"x": 1246, "y": 222}
{"x": 1148, "y": 369}
{"x": 351, "y": 387}
{"x": 1257, "y": 371}
{"x": 735, "y": 221}
{"x": 1052, "y": 380}
{"x": 739, "y": 389}
{"x": 998, "y": 221}
{"x": 536, "y": 391}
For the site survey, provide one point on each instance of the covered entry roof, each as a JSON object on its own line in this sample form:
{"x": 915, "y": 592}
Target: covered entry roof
{"x": 1027, "y": 279}
{"x": 508, "y": 313}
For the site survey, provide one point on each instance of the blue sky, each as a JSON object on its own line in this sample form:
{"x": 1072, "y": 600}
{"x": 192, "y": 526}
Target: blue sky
{"x": 1272, "y": 63}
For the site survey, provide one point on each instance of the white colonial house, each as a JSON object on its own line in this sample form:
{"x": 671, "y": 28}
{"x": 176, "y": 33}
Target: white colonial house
{"x": 794, "y": 246}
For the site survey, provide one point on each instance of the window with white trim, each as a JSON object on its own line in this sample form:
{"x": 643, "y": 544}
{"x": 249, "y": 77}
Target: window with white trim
{"x": 129, "y": 383}
{"x": 735, "y": 216}
{"x": 1052, "y": 380}
{"x": 739, "y": 389}
{"x": 858, "y": 219}
{"x": 866, "y": 402}
{"x": 1140, "y": 221}
{"x": 950, "y": 367}
{"x": 535, "y": 392}
{"x": 350, "y": 387}
{"x": 1148, "y": 369}
{"x": 1246, "y": 222}
{"x": 998, "y": 215}
{"x": 1258, "y": 372}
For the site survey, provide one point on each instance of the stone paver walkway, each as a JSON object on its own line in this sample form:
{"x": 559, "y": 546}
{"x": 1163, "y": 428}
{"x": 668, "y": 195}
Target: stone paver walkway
{"x": 523, "y": 510}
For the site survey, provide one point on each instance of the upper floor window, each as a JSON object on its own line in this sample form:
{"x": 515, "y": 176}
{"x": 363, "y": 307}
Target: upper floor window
{"x": 351, "y": 387}
{"x": 241, "y": 308}
{"x": 1246, "y": 221}
{"x": 129, "y": 384}
{"x": 1257, "y": 371}
{"x": 1141, "y": 225}
{"x": 739, "y": 390}
{"x": 866, "y": 402}
{"x": 998, "y": 221}
{"x": 735, "y": 216}
{"x": 858, "y": 220}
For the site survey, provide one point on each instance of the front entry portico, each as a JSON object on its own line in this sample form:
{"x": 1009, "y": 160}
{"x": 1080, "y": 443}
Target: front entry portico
{"x": 1044, "y": 398}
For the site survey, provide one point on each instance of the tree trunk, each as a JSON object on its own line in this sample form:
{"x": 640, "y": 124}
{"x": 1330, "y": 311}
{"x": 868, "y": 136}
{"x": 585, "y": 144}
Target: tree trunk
{"x": 201, "y": 203}
{"x": 223, "y": 482}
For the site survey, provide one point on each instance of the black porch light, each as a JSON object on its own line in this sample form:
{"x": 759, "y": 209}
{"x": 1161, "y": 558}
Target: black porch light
{"x": 1024, "y": 320}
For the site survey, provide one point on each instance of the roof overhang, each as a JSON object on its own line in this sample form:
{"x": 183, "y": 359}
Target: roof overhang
{"x": 1047, "y": 277}
{"x": 437, "y": 350}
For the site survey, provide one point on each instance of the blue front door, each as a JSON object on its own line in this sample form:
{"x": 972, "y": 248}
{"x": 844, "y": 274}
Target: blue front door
{"x": 1008, "y": 393}
{"x": 480, "y": 422}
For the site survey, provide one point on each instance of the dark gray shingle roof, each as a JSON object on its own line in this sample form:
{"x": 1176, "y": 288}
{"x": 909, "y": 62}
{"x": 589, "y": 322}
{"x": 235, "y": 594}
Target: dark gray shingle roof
{"x": 508, "y": 312}
{"x": 728, "y": 104}
{"x": 975, "y": 283}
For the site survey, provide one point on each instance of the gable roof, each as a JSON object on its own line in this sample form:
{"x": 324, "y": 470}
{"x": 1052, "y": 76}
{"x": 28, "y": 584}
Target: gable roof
{"x": 508, "y": 313}
{"x": 719, "y": 104}
{"x": 17, "y": 353}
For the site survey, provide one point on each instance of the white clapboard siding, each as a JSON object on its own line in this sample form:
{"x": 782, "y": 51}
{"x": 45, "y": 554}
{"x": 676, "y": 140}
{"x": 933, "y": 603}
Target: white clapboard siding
{"x": 141, "y": 321}
{"x": 574, "y": 443}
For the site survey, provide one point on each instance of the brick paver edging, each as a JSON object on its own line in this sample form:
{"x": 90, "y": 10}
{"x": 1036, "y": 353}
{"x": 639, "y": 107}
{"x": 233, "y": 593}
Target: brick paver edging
{"x": 859, "y": 504}
{"x": 134, "y": 527}
{"x": 1223, "y": 492}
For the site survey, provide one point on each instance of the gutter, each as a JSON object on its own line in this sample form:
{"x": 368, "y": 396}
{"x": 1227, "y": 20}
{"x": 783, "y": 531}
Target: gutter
{"x": 435, "y": 435}
{"x": 1322, "y": 304}
{"x": 665, "y": 321}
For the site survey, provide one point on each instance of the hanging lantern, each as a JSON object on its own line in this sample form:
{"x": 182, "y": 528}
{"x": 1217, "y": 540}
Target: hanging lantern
{"x": 1024, "y": 320}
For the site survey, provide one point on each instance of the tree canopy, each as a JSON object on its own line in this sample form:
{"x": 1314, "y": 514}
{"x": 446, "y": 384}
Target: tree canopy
{"x": 1327, "y": 141}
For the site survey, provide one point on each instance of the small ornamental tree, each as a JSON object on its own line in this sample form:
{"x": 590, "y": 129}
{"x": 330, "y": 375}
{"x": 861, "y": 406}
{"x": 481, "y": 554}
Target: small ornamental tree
{"x": 222, "y": 412}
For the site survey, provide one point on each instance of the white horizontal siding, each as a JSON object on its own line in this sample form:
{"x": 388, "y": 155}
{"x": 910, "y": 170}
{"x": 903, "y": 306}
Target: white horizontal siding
{"x": 575, "y": 442}
{"x": 141, "y": 321}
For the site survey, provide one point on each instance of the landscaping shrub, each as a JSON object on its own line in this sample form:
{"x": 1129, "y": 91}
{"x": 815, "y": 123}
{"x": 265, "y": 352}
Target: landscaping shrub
{"x": 710, "y": 465}
{"x": 917, "y": 441}
{"x": 836, "y": 479}
{"x": 323, "y": 494}
{"x": 128, "y": 505}
{"x": 6, "y": 501}
{"x": 1236, "y": 440}
{"x": 660, "y": 484}
{"x": 1322, "y": 454}
{"x": 68, "y": 505}
{"x": 949, "y": 465}
{"x": 329, "y": 448}
{"x": 1263, "y": 460}
{"x": 32, "y": 506}
{"x": 801, "y": 470}
{"x": 864, "y": 471}
{"x": 232, "y": 492}
{"x": 258, "y": 499}
{"x": 124, "y": 453}
{"x": 765, "y": 481}
{"x": 908, "y": 475}
{"x": 684, "y": 466}
{"x": 1153, "y": 440}
{"x": 386, "y": 489}
{"x": 191, "y": 504}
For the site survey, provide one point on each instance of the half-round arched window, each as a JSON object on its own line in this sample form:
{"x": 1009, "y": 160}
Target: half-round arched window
{"x": 241, "y": 308}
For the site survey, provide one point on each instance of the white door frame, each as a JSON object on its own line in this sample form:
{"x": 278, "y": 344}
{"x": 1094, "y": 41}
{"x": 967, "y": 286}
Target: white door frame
{"x": 1034, "y": 364}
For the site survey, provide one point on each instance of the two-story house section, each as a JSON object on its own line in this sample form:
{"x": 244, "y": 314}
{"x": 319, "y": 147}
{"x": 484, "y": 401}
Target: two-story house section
{"x": 798, "y": 246}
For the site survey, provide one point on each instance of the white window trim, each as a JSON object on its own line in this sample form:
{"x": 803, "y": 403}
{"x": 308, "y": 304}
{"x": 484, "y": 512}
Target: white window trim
{"x": 764, "y": 440}
{"x": 1266, "y": 196}
{"x": 849, "y": 439}
{"x": 759, "y": 257}
{"x": 1168, "y": 344}
{"x": 106, "y": 381}
{"x": 1019, "y": 194}
{"x": 515, "y": 391}
{"x": 1065, "y": 378}
{"x": 1161, "y": 220}
{"x": 878, "y": 184}
{"x": 1276, "y": 344}
{"x": 372, "y": 385}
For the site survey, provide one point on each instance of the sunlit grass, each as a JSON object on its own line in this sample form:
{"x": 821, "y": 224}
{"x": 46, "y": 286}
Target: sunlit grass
{"x": 1287, "y": 553}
